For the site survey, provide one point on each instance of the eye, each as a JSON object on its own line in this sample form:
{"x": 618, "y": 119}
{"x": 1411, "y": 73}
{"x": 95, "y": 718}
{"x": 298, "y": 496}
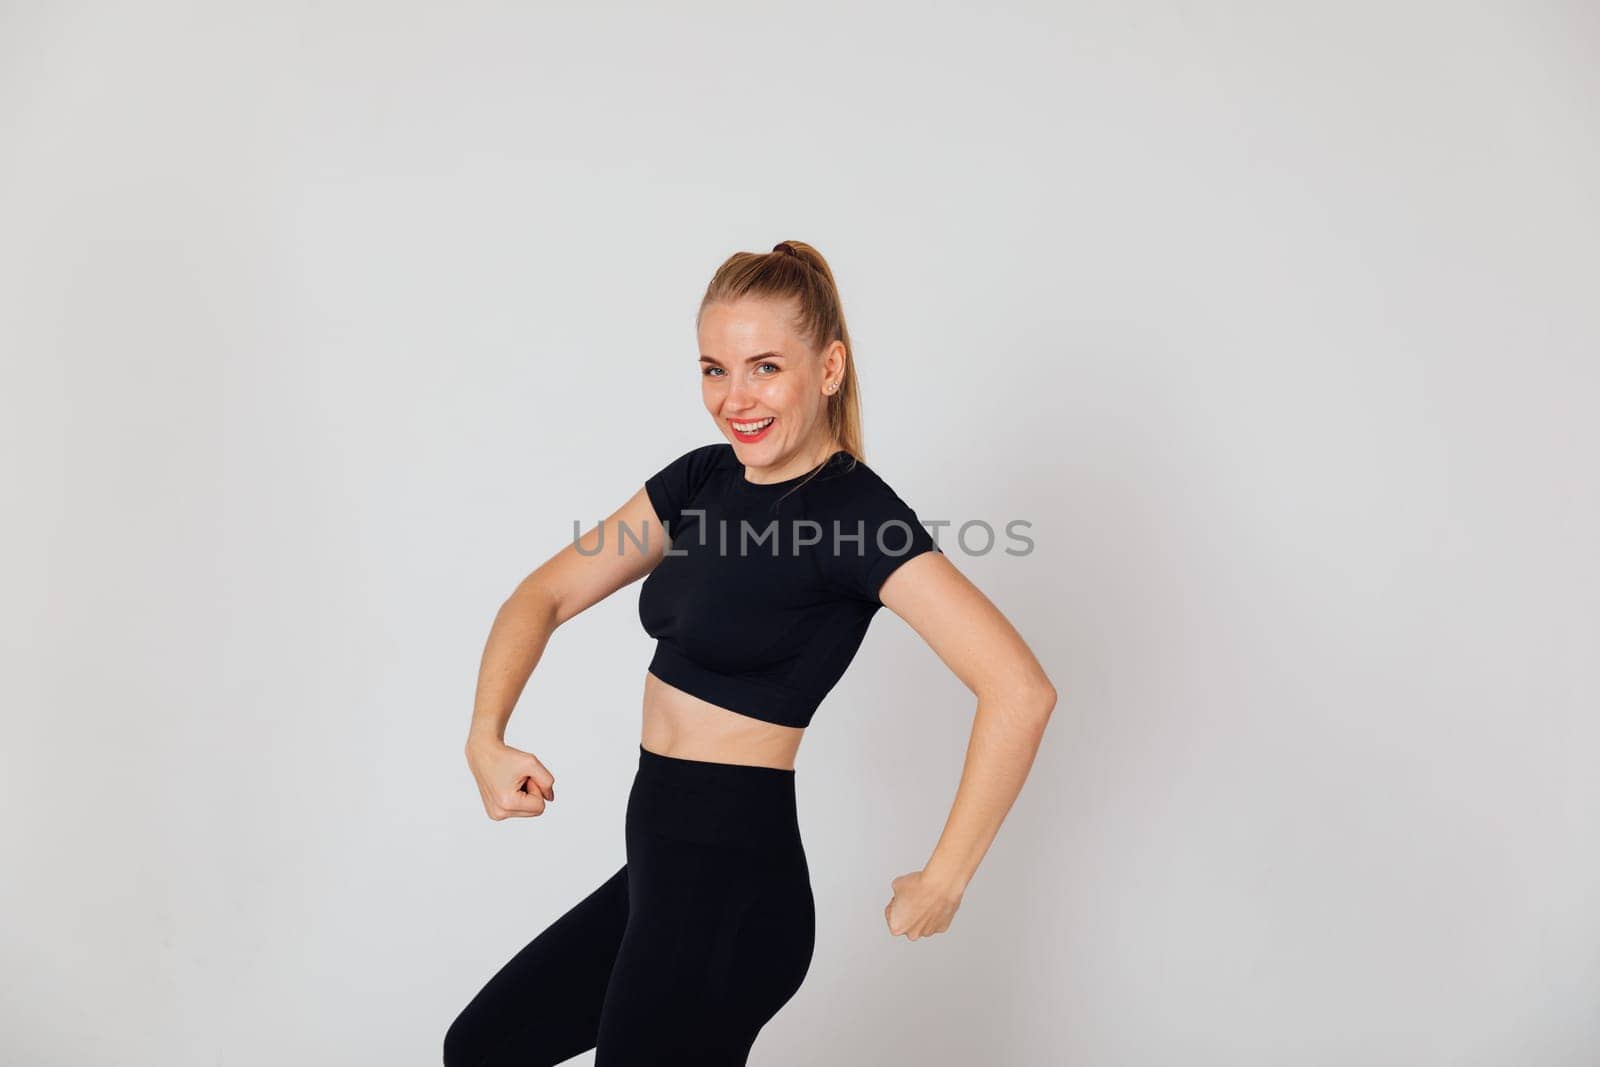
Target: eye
{"x": 774, "y": 366}
{"x": 707, "y": 371}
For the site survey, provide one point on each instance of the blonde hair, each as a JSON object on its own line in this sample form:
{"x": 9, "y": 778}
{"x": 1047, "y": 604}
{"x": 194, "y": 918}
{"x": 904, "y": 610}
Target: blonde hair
{"x": 794, "y": 271}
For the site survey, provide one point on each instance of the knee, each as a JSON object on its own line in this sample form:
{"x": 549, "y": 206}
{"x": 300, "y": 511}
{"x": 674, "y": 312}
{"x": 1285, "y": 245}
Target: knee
{"x": 462, "y": 1047}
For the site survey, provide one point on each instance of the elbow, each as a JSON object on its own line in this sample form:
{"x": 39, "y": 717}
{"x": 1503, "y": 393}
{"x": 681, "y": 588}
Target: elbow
{"x": 532, "y": 600}
{"x": 1044, "y": 701}
{"x": 1029, "y": 702}
{"x": 1037, "y": 692}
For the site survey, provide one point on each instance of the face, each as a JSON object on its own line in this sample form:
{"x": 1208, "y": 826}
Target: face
{"x": 764, "y": 386}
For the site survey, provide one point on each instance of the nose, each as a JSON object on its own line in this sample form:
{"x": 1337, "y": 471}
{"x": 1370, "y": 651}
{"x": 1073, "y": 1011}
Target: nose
{"x": 740, "y": 397}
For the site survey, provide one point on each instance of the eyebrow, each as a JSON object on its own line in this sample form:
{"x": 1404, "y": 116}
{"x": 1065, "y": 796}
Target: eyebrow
{"x": 749, "y": 359}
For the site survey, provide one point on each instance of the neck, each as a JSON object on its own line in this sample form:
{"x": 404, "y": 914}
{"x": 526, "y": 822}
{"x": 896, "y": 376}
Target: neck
{"x": 804, "y": 460}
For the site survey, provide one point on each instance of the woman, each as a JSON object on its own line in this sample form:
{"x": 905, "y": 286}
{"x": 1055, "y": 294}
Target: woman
{"x": 783, "y": 544}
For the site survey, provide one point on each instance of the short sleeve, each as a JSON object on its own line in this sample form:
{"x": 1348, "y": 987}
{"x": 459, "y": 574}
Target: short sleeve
{"x": 890, "y": 533}
{"x": 673, "y": 487}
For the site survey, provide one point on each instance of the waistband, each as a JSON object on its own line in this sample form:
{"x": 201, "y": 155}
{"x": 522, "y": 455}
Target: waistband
{"x": 705, "y": 772}
{"x": 722, "y": 803}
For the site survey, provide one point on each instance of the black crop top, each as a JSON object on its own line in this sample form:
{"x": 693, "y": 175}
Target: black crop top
{"x": 766, "y": 591}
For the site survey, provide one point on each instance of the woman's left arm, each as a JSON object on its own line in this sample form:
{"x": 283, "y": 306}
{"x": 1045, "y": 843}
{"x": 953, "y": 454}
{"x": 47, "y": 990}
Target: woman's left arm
{"x": 1015, "y": 700}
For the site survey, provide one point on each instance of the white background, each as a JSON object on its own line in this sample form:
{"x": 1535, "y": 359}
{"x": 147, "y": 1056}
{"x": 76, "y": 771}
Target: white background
{"x": 322, "y": 323}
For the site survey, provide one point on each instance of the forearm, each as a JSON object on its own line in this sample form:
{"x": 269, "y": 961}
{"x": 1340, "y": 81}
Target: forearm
{"x": 1006, "y": 732}
{"x": 522, "y": 627}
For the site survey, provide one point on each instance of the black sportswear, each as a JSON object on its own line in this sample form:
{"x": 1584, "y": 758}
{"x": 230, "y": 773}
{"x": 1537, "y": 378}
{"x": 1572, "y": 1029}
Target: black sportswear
{"x": 683, "y": 955}
{"x": 680, "y": 957}
{"x": 767, "y": 590}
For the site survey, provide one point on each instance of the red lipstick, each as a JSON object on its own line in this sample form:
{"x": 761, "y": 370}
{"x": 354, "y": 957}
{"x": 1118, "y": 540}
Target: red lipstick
{"x": 747, "y": 438}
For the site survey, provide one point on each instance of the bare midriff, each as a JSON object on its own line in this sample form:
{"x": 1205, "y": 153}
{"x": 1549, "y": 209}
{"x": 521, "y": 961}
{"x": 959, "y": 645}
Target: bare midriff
{"x": 686, "y": 727}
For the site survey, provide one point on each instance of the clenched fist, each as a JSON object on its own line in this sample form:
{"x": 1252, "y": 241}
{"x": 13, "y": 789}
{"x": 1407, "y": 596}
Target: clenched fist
{"x": 920, "y": 906}
{"x": 513, "y": 783}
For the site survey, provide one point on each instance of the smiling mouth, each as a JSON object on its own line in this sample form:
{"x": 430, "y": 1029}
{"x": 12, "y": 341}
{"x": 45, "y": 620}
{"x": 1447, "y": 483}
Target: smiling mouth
{"x": 752, "y": 427}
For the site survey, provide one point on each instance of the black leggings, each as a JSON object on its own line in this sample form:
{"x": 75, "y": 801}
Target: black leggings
{"x": 681, "y": 956}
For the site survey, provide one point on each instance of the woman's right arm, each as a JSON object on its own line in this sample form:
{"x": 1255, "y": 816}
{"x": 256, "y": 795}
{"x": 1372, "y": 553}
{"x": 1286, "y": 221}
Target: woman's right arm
{"x": 514, "y": 783}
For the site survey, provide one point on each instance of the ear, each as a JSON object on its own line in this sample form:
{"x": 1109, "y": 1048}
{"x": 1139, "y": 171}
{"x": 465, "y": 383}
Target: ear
{"x": 833, "y": 361}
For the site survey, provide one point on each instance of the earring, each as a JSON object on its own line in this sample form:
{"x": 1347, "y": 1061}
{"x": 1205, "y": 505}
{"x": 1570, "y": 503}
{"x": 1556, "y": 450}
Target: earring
{"x": 832, "y": 386}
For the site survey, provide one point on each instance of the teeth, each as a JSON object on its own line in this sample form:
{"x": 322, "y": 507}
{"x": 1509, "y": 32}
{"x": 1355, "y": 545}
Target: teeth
{"x": 751, "y": 427}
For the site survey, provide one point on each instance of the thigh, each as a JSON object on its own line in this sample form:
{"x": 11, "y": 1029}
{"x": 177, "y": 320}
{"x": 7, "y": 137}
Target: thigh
{"x": 767, "y": 953}
{"x": 718, "y": 939}
{"x": 544, "y": 1005}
